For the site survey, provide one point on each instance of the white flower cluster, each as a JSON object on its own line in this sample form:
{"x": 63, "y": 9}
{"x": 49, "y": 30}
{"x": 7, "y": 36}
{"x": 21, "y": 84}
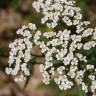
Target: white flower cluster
{"x": 64, "y": 60}
{"x": 56, "y": 10}
{"x": 63, "y": 48}
{"x": 20, "y": 53}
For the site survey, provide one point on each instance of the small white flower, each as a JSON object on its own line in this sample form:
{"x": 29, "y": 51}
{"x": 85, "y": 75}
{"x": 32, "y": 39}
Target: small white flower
{"x": 8, "y": 71}
{"x": 61, "y": 69}
{"x": 84, "y": 87}
{"x": 90, "y": 67}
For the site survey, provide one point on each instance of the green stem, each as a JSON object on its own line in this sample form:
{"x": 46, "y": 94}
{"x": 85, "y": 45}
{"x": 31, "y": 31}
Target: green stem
{"x": 79, "y": 91}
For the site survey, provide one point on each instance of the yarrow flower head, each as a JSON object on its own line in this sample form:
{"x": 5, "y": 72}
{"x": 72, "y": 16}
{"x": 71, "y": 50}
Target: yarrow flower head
{"x": 55, "y": 10}
{"x": 65, "y": 58}
{"x": 20, "y": 53}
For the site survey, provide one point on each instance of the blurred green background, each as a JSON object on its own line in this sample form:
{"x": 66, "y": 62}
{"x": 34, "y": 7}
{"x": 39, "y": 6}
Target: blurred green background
{"x": 14, "y": 14}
